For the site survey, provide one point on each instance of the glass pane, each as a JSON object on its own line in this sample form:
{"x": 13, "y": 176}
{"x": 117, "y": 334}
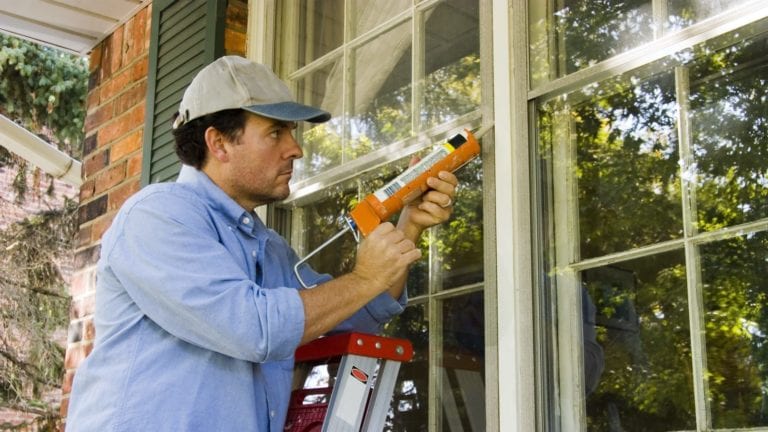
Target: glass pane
{"x": 729, "y": 126}
{"x": 321, "y": 29}
{"x": 322, "y": 222}
{"x": 626, "y": 161}
{"x": 642, "y": 325}
{"x": 321, "y": 143}
{"x": 589, "y": 31}
{"x": 452, "y": 61}
{"x": 460, "y": 241}
{"x": 686, "y": 12}
{"x": 736, "y": 313}
{"x": 381, "y": 108}
{"x": 367, "y": 14}
{"x": 463, "y": 368}
{"x": 408, "y": 411}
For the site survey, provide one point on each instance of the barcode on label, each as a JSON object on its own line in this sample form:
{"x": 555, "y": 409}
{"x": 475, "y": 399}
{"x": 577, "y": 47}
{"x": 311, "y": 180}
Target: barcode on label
{"x": 411, "y": 173}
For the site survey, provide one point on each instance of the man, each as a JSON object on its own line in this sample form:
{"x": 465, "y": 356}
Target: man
{"x": 198, "y": 312}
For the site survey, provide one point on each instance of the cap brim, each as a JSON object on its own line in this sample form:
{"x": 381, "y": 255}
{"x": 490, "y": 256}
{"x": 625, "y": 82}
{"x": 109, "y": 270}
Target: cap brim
{"x": 290, "y": 111}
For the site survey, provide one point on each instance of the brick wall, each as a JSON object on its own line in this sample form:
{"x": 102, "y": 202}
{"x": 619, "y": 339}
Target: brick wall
{"x": 37, "y": 198}
{"x": 114, "y": 130}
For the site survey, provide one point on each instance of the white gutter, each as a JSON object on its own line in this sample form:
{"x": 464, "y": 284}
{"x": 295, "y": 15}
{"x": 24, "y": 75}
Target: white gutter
{"x": 38, "y": 152}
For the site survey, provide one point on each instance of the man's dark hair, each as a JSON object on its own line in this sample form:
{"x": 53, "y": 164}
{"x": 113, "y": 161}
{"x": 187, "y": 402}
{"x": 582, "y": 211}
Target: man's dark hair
{"x": 190, "y": 137}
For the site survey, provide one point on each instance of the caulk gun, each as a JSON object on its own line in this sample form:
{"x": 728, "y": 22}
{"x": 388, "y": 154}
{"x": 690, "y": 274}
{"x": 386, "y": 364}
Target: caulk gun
{"x": 411, "y": 184}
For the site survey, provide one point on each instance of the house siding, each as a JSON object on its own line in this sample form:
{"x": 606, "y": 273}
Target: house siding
{"x": 112, "y": 156}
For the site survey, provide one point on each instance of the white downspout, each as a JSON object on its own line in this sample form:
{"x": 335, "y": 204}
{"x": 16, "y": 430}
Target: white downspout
{"x": 38, "y": 152}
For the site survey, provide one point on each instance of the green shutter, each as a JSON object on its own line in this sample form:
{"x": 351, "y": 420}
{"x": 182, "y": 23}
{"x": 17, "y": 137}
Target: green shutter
{"x": 186, "y": 35}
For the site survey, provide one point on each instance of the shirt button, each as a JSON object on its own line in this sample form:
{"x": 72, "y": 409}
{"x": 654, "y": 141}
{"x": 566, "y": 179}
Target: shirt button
{"x": 253, "y": 253}
{"x": 246, "y": 220}
{"x": 272, "y": 413}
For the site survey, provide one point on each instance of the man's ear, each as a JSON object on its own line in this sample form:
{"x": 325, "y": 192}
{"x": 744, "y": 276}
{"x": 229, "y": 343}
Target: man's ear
{"x": 216, "y": 144}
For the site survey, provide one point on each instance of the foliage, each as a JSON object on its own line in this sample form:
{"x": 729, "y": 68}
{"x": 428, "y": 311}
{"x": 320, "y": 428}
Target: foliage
{"x": 35, "y": 309}
{"x": 44, "y": 91}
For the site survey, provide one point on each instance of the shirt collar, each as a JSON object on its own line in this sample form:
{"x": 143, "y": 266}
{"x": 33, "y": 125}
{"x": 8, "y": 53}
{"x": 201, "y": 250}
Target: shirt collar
{"x": 218, "y": 199}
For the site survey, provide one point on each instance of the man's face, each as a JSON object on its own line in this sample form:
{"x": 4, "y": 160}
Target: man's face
{"x": 261, "y": 162}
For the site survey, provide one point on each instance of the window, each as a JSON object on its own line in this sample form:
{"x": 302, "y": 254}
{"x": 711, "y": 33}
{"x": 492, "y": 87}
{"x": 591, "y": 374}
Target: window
{"x": 652, "y": 143}
{"x": 398, "y": 76}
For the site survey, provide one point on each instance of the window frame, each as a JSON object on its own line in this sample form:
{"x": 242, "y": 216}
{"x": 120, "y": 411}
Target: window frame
{"x": 563, "y": 345}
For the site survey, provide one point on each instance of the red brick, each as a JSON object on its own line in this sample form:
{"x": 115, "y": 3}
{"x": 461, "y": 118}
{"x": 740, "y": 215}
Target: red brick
{"x": 234, "y": 42}
{"x": 99, "y": 116}
{"x": 82, "y": 307}
{"x": 66, "y": 385}
{"x": 134, "y": 165}
{"x": 135, "y": 95}
{"x": 134, "y": 35}
{"x": 140, "y": 69}
{"x": 116, "y": 48}
{"x": 76, "y": 354}
{"x": 89, "y": 330}
{"x": 96, "y": 163}
{"x": 94, "y": 97}
{"x": 129, "y": 144}
{"x": 116, "y": 85}
{"x": 87, "y": 189}
{"x": 64, "y": 408}
{"x": 121, "y": 125}
{"x": 110, "y": 178}
{"x": 94, "y": 58}
{"x": 83, "y": 236}
{"x": 147, "y": 30}
{"x": 100, "y": 226}
{"x": 119, "y": 195}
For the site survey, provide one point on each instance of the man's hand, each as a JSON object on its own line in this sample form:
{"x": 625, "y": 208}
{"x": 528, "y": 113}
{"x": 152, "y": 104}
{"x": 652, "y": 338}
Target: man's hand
{"x": 384, "y": 257}
{"x": 382, "y": 263}
{"x": 433, "y": 207}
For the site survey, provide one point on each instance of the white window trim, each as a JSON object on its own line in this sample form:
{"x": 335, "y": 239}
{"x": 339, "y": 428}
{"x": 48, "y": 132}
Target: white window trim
{"x": 511, "y": 282}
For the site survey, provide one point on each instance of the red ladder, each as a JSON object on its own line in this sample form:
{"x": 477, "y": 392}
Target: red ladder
{"x": 360, "y": 397}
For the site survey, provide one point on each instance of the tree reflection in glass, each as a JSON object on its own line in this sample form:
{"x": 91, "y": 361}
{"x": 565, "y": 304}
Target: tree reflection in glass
{"x": 736, "y": 323}
{"x": 642, "y": 325}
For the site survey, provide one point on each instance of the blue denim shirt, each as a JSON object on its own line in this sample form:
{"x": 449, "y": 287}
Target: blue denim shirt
{"x": 197, "y": 317}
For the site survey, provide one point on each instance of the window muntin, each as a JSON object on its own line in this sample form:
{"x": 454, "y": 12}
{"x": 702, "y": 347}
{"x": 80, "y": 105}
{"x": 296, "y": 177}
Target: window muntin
{"x": 703, "y": 110}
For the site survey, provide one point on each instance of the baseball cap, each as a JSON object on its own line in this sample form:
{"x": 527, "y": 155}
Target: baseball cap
{"x": 232, "y": 82}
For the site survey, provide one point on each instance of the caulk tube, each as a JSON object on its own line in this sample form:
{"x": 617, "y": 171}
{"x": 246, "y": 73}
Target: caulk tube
{"x": 412, "y": 183}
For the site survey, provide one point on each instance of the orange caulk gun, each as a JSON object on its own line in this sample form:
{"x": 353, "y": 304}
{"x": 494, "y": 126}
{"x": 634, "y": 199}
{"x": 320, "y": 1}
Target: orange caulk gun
{"x": 379, "y": 206}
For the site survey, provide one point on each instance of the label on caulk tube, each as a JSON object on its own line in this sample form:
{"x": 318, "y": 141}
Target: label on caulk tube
{"x": 411, "y": 173}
